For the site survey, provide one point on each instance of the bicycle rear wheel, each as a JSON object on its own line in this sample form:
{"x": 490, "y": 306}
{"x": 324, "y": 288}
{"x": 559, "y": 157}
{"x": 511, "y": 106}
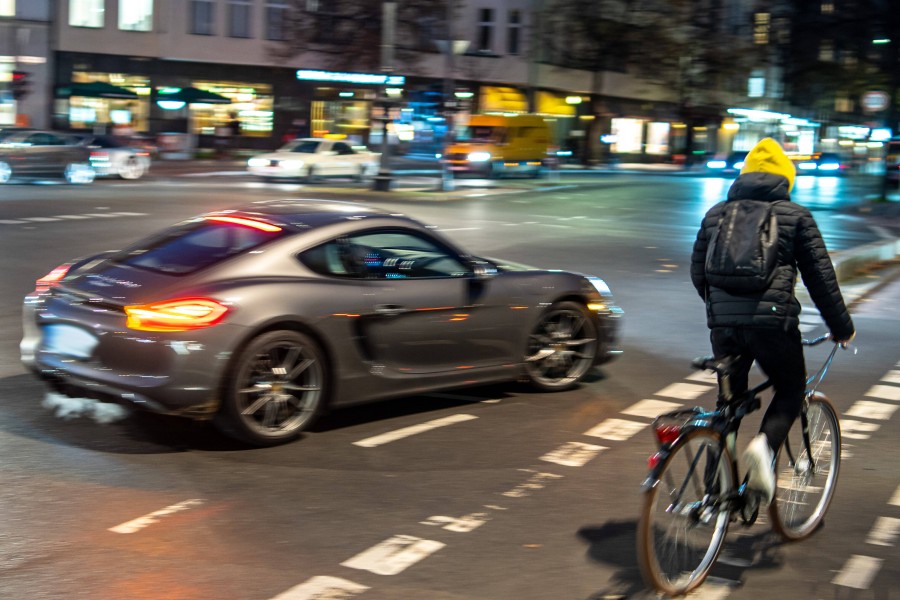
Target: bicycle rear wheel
{"x": 684, "y": 517}
{"x": 805, "y": 487}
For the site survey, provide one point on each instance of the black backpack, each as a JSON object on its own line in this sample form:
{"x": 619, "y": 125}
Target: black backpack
{"x": 743, "y": 251}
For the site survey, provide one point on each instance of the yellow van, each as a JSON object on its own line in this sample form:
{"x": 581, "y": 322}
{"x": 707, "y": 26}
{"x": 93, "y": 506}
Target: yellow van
{"x": 495, "y": 145}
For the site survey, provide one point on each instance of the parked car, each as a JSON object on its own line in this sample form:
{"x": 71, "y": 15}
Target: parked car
{"x": 261, "y": 318}
{"x": 315, "y": 158}
{"x": 111, "y": 157}
{"x": 731, "y": 164}
{"x": 35, "y": 153}
{"x": 819, "y": 163}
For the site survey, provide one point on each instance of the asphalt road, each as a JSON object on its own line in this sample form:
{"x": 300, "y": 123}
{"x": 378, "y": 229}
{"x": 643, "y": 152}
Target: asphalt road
{"x": 523, "y": 495}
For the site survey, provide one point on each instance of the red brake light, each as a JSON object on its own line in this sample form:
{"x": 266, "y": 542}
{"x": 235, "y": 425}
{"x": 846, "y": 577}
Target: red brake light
{"x": 52, "y": 278}
{"x": 261, "y": 225}
{"x": 666, "y": 434}
{"x": 175, "y": 315}
{"x": 653, "y": 461}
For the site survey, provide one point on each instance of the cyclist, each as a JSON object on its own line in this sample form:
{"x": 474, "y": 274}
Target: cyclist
{"x": 764, "y": 325}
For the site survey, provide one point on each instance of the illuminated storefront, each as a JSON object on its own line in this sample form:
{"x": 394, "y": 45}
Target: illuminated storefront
{"x": 252, "y": 105}
{"x": 97, "y": 111}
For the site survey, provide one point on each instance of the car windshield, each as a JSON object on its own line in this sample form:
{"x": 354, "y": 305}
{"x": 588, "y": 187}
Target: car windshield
{"x": 484, "y": 134}
{"x": 196, "y": 245}
{"x": 302, "y": 146}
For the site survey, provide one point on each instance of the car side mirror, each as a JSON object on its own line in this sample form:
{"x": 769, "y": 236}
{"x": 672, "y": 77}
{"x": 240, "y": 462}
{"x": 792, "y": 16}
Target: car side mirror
{"x": 483, "y": 269}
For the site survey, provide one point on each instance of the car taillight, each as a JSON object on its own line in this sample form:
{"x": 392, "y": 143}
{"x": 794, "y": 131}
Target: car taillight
{"x": 175, "y": 315}
{"x": 99, "y": 154}
{"x": 261, "y": 225}
{"x": 667, "y": 433}
{"x": 52, "y": 278}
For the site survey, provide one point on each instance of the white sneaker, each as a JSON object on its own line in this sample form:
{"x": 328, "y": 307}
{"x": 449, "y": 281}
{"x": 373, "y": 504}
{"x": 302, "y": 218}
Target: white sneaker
{"x": 759, "y": 463}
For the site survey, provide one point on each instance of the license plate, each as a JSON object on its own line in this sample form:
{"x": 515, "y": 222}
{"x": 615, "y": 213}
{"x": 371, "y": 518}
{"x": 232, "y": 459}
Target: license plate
{"x": 68, "y": 340}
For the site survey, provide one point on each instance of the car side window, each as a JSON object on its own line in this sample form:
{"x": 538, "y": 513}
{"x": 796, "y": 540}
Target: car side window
{"x": 384, "y": 254}
{"x": 342, "y": 148}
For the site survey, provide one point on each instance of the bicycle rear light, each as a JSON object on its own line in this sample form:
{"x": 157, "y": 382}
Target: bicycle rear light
{"x": 666, "y": 433}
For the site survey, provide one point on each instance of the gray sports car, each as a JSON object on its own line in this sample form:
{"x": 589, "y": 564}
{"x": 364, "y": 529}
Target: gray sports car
{"x": 261, "y": 318}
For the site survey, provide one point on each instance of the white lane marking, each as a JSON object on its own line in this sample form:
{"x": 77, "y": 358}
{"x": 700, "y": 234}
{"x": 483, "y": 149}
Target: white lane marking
{"x": 895, "y": 499}
{"x": 102, "y": 215}
{"x": 393, "y": 436}
{"x": 650, "y": 408}
{"x": 857, "y": 430}
{"x": 573, "y": 454}
{"x": 885, "y": 392}
{"x": 704, "y": 377}
{"x": 71, "y": 216}
{"x": 892, "y": 377}
{"x": 615, "y": 429}
{"x": 142, "y": 522}
{"x": 867, "y": 409}
{"x": 322, "y": 587}
{"x": 39, "y": 219}
{"x": 393, "y": 555}
{"x": 10, "y": 222}
{"x": 462, "y": 229}
{"x": 683, "y": 391}
{"x": 460, "y": 525}
{"x": 884, "y": 532}
{"x": 858, "y": 572}
{"x": 534, "y": 483}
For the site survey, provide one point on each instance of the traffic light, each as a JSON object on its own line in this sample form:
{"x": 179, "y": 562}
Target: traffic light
{"x": 21, "y": 84}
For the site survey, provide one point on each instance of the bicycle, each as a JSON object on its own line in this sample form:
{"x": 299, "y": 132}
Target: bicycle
{"x": 692, "y": 494}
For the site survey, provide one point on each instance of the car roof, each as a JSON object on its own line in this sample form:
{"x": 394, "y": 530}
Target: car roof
{"x": 301, "y": 214}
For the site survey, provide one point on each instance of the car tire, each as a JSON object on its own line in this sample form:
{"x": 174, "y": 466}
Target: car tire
{"x": 561, "y": 348}
{"x": 5, "y": 172}
{"x": 275, "y": 389}
{"x": 78, "y": 173}
{"x": 132, "y": 168}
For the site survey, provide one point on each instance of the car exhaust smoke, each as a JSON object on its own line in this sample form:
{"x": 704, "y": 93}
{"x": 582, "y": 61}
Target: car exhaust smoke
{"x": 68, "y": 408}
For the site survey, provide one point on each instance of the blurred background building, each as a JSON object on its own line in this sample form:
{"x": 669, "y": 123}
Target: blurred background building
{"x": 657, "y": 80}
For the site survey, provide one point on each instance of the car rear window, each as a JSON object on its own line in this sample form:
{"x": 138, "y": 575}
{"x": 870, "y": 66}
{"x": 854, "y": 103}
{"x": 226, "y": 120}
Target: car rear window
{"x": 197, "y": 245}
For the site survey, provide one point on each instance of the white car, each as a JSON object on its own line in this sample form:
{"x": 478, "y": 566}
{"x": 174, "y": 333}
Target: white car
{"x": 112, "y": 158}
{"x": 314, "y": 158}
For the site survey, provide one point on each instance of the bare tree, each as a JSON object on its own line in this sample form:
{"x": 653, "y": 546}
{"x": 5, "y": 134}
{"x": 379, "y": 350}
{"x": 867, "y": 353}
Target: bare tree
{"x": 347, "y": 33}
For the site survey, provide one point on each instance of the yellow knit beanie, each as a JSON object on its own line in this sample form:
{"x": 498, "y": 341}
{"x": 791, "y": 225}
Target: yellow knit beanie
{"x": 768, "y": 157}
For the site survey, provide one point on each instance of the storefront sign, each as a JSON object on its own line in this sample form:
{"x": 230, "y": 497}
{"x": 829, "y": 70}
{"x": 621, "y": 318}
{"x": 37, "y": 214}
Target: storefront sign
{"x": 360, "y": 78}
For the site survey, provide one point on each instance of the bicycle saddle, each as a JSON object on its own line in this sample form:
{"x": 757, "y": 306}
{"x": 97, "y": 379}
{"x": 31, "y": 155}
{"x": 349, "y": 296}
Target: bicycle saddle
{"x": 721, "y": 365}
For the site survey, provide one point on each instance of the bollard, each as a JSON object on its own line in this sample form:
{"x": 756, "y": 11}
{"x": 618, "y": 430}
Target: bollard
{"x": 446, "y": 183}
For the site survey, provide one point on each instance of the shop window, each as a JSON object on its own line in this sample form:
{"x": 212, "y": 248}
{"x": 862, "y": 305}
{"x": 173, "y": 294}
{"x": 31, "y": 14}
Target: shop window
{"x": 86, "y": 13}
{"x": 136, "y": 15}
{"x": 657, "y": 138}
{"x": 239, "y": 19}
{"x": 202, "y": 17}
{"x": 627, "y": 135}
{"x": 761, "y": 25}
{"x": 251, "y": 106}
{"x": 7, "y": 8}
{"x": 485, "y": 29}
{"x": 513, "y": 35}
{"x": 276, "y": 20}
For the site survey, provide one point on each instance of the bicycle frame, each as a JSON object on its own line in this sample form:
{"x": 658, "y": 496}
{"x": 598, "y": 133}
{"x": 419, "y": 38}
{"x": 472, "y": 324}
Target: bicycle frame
{"x": 730, "y": 410}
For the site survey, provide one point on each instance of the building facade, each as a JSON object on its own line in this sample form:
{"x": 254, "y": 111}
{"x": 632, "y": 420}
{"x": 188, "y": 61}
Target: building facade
{"x": 112, "y": 65}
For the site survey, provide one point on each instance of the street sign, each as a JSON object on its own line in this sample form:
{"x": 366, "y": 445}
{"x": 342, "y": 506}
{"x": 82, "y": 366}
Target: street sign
{"x": 875, "y": 101}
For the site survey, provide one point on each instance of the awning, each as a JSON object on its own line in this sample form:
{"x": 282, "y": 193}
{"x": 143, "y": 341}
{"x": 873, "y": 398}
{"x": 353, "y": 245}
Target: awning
{"x": 191, "y": 95}
{"x": 95, "y": 89}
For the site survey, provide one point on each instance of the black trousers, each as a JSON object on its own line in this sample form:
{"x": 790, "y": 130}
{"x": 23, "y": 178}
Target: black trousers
{"x": 779, "y": 354}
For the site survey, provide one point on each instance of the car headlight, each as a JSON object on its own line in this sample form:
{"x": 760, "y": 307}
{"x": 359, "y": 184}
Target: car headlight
{"x": 257, "y": 162}
{"x": 807, "y": 166}
{"x": 716, "y": 164}
{"x": 600, "y": 286}
{"x": 479, "y": 156}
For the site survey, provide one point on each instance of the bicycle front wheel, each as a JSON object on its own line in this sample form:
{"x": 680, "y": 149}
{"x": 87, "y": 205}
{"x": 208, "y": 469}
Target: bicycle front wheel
{"x": 805, "y": 484}
{"x": 686, "y": 513}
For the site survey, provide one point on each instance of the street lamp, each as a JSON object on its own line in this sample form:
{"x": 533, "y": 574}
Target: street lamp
{"x": 384, "y": 178}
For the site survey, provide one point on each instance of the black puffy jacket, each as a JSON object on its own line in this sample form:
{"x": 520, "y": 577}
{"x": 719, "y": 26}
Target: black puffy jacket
{"x": 800, "y": 247}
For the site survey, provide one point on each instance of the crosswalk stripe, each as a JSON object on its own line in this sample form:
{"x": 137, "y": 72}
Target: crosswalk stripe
{"x": 868, "y": 409}
{"x": 858, "y": 572}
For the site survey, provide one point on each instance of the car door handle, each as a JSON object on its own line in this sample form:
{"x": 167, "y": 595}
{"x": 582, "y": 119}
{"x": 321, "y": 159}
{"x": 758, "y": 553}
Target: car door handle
{"x": 390, "y": 310}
